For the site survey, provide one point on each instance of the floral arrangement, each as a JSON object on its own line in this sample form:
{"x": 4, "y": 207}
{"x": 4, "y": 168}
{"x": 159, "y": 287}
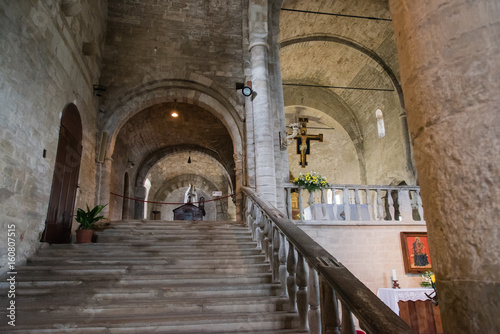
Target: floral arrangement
{"x": 429, "y": 279}
{"x": 311, "y": 181}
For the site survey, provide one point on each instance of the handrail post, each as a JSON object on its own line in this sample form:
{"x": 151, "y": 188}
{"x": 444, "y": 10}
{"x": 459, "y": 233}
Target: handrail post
{"x": 276, "y": 246}
{"x": 302, "y": 305}
{"x": 313, "y": 315}
{"x": 291, "y": 263}
{"x": 347, "y": 322}
{"x": 330, "y": 318}
{"x": 282, "y": 260}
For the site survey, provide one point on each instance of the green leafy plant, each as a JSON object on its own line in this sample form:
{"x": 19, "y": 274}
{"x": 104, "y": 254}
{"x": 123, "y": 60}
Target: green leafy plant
{"x": 311, "y": 181}
{"x": 88, "y": 218}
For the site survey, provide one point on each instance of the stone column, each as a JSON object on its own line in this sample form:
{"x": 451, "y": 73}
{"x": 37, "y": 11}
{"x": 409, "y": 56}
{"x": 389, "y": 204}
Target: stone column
{"x": 103, "y": 186}
{"x": 449, "y": 55}
{"x": 265, "y": 173}
{"x": 140, "y": 193}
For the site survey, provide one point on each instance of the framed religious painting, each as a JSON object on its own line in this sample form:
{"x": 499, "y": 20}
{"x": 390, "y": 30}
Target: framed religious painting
{"x": 416, "y": 257}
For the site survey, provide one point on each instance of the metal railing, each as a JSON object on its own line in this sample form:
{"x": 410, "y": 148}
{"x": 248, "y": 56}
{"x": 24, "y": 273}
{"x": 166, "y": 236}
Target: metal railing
{"x": 314, "y": 280}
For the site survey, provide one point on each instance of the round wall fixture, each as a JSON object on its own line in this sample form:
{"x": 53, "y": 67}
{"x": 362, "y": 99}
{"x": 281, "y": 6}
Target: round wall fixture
{"x": 247, "y": 91}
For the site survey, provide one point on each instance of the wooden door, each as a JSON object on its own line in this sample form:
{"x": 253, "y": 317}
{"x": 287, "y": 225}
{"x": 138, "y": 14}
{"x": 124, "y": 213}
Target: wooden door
{"x": 65, "y": 179}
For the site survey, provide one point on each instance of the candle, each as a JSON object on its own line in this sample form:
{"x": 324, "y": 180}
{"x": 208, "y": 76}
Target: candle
{"x": 394, "y": 278}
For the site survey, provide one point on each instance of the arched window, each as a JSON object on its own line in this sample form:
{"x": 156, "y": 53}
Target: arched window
{"x": 380, "y": 123}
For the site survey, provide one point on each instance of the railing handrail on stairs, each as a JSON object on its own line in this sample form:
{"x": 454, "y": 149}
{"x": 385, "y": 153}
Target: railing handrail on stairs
{"x": 327, "y": 281}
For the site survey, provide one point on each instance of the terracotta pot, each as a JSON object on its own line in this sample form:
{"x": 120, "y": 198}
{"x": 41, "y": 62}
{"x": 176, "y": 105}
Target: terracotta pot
{"x": 84, "y": 236}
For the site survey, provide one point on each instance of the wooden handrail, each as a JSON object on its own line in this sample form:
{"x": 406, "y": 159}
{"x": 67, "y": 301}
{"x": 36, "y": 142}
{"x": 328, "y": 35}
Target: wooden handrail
{"x": 375, "y": 316}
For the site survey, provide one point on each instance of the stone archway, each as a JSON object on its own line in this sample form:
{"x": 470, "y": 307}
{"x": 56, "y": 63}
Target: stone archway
{"x": 197, "y": 91}
{"x": 65, "y": 179}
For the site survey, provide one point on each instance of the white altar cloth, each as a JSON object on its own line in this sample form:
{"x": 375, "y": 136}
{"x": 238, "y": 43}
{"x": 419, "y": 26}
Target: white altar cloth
{"x": 391, "y": 297}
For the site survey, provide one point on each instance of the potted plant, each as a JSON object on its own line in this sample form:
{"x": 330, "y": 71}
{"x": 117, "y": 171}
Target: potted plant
{"x": 87, "y": 220}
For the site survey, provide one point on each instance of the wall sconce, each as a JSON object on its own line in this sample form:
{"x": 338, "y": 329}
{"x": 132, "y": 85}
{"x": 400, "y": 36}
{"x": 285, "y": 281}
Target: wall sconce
{"x": 99, "y": 89}
{"x": 246, "y": 89}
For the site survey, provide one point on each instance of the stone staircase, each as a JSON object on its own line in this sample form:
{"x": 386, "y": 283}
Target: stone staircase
{"x": 150, "y": 277}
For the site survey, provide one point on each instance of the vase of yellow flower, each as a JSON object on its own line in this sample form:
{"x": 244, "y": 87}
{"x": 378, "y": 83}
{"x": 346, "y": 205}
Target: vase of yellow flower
{"x": 312, "y": 181}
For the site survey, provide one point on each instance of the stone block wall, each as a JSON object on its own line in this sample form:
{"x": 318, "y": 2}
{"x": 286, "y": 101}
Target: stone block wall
{"x": 43, "y": 68}
{"x": 368, "y": 252}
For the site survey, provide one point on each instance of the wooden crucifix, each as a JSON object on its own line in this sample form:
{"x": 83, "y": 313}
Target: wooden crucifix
{"x": 303, "y": 141}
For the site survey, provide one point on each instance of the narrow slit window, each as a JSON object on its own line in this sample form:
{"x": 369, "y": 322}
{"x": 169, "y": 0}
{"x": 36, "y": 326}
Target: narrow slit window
{"x": 380, "y": 123}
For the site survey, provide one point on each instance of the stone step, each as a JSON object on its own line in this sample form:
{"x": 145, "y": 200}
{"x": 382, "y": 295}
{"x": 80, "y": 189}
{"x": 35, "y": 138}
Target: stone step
{"x": 184, "y": 251}
{"x": 157, "y": 260}
{"x": 162, "y": 323}
{"x": 164, "y": 238}
{"x": 147, "y": 306}
{"x": 200, "y": 244}
{"x": 141, "y": 269}
{"x": 107, "y": 290}
{"x": 24, "y": 281}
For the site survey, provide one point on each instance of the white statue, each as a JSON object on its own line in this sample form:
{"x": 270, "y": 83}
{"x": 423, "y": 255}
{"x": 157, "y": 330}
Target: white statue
{"x": 190, "y": 196}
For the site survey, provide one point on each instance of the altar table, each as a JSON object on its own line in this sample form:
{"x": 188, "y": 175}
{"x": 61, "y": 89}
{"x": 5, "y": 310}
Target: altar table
{"x": 413, "y": 306}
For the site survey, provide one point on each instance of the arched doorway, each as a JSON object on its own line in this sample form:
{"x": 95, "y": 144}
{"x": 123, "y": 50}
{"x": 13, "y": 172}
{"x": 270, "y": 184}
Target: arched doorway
{"x": 65, "y": 178}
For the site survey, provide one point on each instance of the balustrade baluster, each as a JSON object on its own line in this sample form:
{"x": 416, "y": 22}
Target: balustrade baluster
{"x": 420, "y": 207}
{"x": 390, "y": 201}
{"x": 248, "y": 212}
{"x": 282, "y": 263}
{"x": 357, "y": 200}
{"x": 347, "y": 202}
{"x": 265, "y": 238}
{"x": 302, "y": 292}
{"x": 323, "y": 204}
{"x": 380, "y": 209}
{"x": 289, "y": 203}
{"x": 369, "y": 205}
{"x": 291, "y": 264}
{"x": 301, "y": 205}
{"x": 313, "y": 315}
{"x": 258, "y": 231}
{"x": 334, "y": 203}
{"x": 347, "y": 322}
{"x": 311, "y": 205}
{"x": 270, "y": 241}
{"x": 255, "y": 225}
{"x": 275, "y": 243}
{"x": 330, "y": 319}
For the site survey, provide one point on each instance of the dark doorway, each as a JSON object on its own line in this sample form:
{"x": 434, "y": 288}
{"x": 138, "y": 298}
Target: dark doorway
{"x": 125, "y": 208}
{"x": 65, "y": 179}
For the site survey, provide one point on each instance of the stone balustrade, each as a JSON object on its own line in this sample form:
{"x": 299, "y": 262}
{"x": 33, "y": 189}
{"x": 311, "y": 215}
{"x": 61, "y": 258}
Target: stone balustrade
{"x": 367, "y": 203}
{"x": 312, "y": 279}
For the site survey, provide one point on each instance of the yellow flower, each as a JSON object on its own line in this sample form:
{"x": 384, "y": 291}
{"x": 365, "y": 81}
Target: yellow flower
{"x": 296, "y": 179}
{"x": 433, "y": 279}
